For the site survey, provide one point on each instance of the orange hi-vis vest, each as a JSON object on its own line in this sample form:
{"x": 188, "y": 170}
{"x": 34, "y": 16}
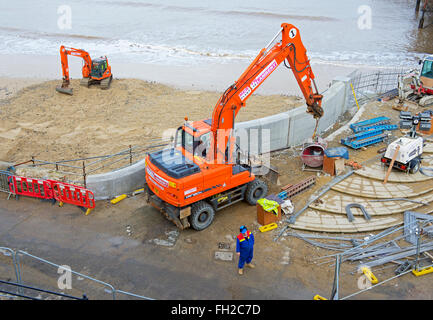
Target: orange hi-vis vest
{"x": 241, "y": 236}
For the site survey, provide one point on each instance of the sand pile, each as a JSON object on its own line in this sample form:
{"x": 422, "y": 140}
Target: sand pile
{"x": 38, "y": 121}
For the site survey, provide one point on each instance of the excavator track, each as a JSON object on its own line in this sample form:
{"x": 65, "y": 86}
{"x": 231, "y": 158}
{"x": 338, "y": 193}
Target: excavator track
{"x": 85, "y": 82}
{"x": 426, "y": 101}
{"x": 105, "y": 83}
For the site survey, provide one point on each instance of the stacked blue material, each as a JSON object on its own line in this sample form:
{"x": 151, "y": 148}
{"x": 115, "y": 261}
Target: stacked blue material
{"x": 368, "y": 132}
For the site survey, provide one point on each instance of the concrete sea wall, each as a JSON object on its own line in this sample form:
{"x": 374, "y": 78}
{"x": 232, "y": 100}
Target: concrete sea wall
{"x": 286, "y": 129}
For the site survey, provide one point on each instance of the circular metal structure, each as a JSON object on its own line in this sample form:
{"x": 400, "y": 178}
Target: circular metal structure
{"x": 312, "y": 154}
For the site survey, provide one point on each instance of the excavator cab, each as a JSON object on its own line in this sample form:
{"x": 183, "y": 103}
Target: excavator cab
{"x": 99, "y": 66}
{"x": 426, "y": 79}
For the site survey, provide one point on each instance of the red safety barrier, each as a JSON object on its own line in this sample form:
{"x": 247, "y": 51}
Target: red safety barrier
{"x": 69, "y": 193}
{"x": 30, "y": 187}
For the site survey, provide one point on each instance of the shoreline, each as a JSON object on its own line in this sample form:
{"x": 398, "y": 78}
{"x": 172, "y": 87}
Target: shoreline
{"x": 211, "y": 77}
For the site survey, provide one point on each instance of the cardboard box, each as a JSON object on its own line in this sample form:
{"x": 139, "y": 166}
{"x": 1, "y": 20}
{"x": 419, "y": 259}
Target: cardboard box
{"x": 339, "y": 166}
{"x": 333, "y": 166}
{"x": 264, "y": 217}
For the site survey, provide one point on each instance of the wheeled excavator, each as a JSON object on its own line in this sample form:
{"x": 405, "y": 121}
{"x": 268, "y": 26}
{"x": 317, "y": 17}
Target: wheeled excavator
{"x": 94, "y": 71}
{"x": 197, "y": 177}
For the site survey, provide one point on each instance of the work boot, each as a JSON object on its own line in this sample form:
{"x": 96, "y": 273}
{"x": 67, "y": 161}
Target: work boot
{"x": 250, "y": 265}
{"x": 241, "y": 271}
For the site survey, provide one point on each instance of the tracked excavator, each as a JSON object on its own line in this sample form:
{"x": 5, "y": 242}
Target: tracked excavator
{"x": 197, "y": 177}
{"x": 94, "y": 71}
{"x": 417, "y": 85}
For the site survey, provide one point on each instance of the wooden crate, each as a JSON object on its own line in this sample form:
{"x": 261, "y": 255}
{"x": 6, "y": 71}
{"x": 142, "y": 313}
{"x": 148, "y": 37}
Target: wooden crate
{"x": 264, "y": 217}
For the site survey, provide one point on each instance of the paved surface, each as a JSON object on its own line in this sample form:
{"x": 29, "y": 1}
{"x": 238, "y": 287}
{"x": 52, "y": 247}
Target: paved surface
{"x": 365, "y": 187}
{"x": 336, "y": 202}
{"x": 329, "y": 213}
{"x": 313, "y": 220}
{"x": 152, "y": 259}
{"x": 377, "y": 171}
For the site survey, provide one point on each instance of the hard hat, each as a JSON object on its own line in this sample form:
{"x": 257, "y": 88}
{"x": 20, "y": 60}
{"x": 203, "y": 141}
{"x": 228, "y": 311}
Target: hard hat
{"x": 243, "y": 229}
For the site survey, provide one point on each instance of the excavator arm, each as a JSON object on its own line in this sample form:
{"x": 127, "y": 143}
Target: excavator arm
{"x": 64, "y": 52}
{"x": 291, "y": 49}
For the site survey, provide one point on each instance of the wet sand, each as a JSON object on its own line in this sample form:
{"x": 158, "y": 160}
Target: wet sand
{"x": 209, "y": 77}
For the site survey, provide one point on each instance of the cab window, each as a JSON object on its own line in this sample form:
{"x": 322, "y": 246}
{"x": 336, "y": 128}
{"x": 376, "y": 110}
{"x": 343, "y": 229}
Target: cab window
{"x": 201, "y": 145}
{"x": 184, "y": 139}
{"x": 427, "y": 69}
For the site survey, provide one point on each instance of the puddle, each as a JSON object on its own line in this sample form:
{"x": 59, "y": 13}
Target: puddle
{"x": 170, "y": 241}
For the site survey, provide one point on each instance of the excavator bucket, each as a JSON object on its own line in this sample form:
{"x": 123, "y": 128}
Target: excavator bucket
{"x": 65, "y": 90}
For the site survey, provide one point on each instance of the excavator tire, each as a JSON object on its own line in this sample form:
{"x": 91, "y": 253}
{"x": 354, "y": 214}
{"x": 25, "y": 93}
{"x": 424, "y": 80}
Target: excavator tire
{"x": 105, "y": 83}
{"x": 256, "y": 190}
{"x": 414, "y": 166}
{"x": 85, "y": 82}
{"x": 202, "y": 215}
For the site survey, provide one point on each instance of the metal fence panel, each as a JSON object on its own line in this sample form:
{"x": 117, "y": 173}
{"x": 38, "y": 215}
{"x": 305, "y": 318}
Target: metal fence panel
{"x": 4, "y": 181}
{"x": 34, "y": 272}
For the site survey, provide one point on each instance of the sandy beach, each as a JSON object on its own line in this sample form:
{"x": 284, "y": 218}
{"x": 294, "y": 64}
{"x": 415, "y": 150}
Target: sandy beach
{"x": 143, "y": 101}
{"x": 38, "y": 121}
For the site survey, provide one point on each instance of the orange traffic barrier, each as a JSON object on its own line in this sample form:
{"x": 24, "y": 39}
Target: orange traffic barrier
{"x": 76, "y": 195}
{"x": 30, "y": 187}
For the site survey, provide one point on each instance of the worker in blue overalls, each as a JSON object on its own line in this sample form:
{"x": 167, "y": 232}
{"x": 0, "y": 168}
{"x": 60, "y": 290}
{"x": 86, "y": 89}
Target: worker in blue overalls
{"x": 245, "y": 248}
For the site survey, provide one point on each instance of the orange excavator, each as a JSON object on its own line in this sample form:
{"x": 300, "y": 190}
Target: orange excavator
{"x": 197, "y": 177}
{"x": 94, "y": 71}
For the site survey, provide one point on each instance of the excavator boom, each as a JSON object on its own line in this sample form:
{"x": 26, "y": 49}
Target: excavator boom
{"x": 291, "y": 49}
{"x": 64, "y": 52}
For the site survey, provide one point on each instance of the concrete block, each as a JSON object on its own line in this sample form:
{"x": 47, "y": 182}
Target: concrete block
{"x": 274, "y": 132}
{"x": 111, "y": 184}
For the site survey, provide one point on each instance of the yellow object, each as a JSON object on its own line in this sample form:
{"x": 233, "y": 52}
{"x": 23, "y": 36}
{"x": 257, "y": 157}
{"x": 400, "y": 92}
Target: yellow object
{"x": 119, "y": 198}
{"x": 354, "y": 95}
{"x": 317, "y": 297}
{"x": 88, "y": 211}
{"x": 172, "y": 184}
{"x": 422, "y": 272}
{"x": 269, "y": 205}
{"x": 60, "y": 204}
{"x": 222, "y": 199}
{"x": 370, "y": 276}
{"x": 138, "y": 191}
{"x": 268, "y": 227}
